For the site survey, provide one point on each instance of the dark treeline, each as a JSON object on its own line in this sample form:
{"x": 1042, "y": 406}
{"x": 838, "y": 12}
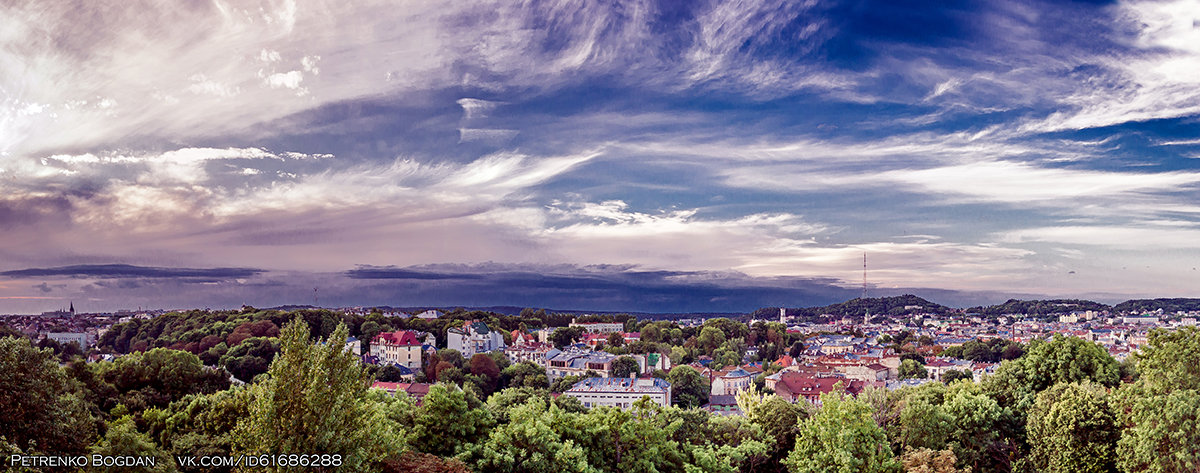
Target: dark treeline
{"x": 876, "y": 306}
{"x": 1039, "y": 307}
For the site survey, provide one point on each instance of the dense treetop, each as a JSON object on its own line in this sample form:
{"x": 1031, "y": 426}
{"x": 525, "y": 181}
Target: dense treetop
{"x": 1039, "y": 307}
{"x": 1151, "y": 305}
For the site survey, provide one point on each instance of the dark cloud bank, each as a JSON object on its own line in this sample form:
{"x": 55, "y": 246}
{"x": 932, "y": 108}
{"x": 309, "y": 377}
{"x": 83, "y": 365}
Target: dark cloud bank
{"x": 593, "y": 288}
{"x": 131, "y": 271}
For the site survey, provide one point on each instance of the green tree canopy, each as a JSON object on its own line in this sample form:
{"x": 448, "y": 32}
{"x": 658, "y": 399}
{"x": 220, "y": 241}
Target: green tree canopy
{"x": 199, "y": 424}
{"x": 951, "y": 376}
{"x": 157, "y": 377}
{"x": 1044, "y": 364}
{"x": 313, "y": 401}
{"x": 1161, "y": 410}
{"x": 123, "y": 439}
{"x": 624, "y": 366}
{"x": 525, "y": 374}
{"x": 777, "y": 419}
{"x": 1072, "y": 428}
{"x": 911, "y": 369}
{"x": 564, "y": 336}
{"x": 42, "y": 408}
{"x": 841, "y": 438}
{"x": 446, "y": 423}
{"x": 532, "y": 441}
{"x": 688, "y": 387}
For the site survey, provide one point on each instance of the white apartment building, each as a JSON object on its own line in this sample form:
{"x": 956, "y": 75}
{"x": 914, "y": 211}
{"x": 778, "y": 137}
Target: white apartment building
{"x": 732, "y": 382}
{"x": 474, "y": 337}
{"x": 84, "y": 339}
{"x": 620, "y": 392}
{"x": 600, "y": 327}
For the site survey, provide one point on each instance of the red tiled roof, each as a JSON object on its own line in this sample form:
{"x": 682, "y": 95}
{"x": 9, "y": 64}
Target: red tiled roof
{"x": 793, "y": 385}
{"x": 399, "y": 337}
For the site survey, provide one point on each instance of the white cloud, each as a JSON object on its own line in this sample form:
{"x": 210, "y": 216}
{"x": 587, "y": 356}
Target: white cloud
{"x": 1158, "y": 79}
{"x": 1111, "y": 236}
{"x": 267, "y": 55}
{"x": 310, "y": 64}
{"x": 202, "y": 85}
{"x": 477, "y": 108}
{"x": 1019, "y": 182}
{"x": 287, "y": 80}
{"x": 181, "y": 166}
{"x": 485, "y": 135}
{"x": 1180, "y": 143}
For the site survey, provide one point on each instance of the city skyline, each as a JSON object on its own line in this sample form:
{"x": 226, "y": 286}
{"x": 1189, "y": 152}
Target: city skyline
{"x": 641, "y": 156}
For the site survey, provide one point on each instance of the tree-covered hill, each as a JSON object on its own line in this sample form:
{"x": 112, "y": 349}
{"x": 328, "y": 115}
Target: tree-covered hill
{"x": 896, "y": 306}
{"x": 1039, "y": 307}
{"x": 1168, "y": 306}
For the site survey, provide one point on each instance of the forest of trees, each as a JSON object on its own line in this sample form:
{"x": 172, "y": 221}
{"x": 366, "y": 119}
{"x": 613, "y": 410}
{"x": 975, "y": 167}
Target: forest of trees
{"x": 907, "y": 304}
{"x": 1061, "y": 405}
{"x": 1038, "y": 307}
{"x": 1168, "y": 306}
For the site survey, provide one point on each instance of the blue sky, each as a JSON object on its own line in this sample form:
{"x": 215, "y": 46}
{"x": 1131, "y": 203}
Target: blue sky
{"x": 661, "y": 156}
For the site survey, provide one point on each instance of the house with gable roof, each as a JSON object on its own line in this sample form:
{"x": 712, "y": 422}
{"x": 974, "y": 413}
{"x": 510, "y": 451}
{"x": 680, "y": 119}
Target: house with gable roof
{"x": 400, "y": 348}
{"x": 474, "y": 337}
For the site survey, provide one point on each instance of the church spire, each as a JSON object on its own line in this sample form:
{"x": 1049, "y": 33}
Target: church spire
{"x": 72, "y": 309}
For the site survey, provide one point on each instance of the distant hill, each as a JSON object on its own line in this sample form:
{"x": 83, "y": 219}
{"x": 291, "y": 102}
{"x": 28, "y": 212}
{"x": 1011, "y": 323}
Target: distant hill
{"x": 1039, "y": 307}
{"x": 1150, "y": 305}
{"x": 895, "y": 306}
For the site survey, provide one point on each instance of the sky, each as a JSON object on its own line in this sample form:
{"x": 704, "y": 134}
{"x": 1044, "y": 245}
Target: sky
{"x": 668, "y": 156}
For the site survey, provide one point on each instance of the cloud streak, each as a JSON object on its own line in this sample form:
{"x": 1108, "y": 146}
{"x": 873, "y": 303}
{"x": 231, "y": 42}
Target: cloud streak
{"x": 131, "y": 271}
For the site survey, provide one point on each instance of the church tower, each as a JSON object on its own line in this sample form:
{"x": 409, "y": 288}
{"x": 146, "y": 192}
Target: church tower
{"x": 72, "y": 309}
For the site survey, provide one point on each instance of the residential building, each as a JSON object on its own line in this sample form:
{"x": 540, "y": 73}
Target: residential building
{"x": 600, "y": 327}
{"x": 353, "y": 346}
{"x": 533, "y": 352}
{"x": 935, "y": 368}
{"x": 723, "y": 405}
{"x": 793, "y": 386}
{"x": 620, "y": 392}
{"x": 400, "y": 347}
{"x": 84, "y": 339}
{"x": 578, "y": 363}
{"x": 728, "y": 383}
{"x": 866, "y": 373}
{"x": 474, "y": 337}
{"x": 417, "y": 391}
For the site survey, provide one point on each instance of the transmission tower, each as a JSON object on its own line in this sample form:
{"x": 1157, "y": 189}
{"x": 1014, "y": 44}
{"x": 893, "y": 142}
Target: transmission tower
{"x": 864, "y": 294}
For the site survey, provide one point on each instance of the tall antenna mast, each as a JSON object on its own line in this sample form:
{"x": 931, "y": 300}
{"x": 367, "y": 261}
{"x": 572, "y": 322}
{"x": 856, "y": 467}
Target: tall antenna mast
{"x": 315, "y": 298}
{"x": 864, "y": 294}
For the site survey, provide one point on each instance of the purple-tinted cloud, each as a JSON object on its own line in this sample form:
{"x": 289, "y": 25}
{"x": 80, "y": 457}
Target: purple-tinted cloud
{"x": 131, "y": 271}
